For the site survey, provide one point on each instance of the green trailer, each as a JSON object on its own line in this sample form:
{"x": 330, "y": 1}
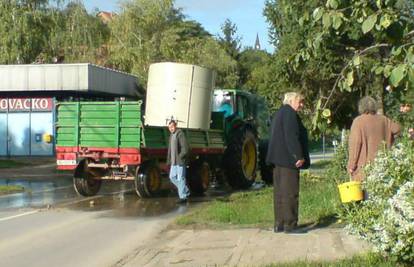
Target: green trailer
{"x": 108, "y": 141}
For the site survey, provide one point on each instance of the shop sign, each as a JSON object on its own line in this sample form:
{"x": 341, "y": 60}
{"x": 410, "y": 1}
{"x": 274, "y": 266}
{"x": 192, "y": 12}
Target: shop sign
{"x": 25, "y": 104}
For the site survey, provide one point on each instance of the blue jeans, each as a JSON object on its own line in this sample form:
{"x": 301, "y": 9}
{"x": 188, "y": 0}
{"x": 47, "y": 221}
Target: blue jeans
{"x": 177, "y": 177}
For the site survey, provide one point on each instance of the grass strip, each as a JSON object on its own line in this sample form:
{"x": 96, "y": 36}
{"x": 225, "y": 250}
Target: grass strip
{"x": 10, "y": 189}
{"x": 8, "y": 163}
{"x": 366, "y": 260}
{"x": 318, "y": 197}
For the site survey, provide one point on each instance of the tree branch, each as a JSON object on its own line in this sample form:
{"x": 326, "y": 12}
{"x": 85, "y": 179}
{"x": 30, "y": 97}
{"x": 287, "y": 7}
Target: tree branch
{"x": 410, "y": 33}
{"x": 341, "y": 74}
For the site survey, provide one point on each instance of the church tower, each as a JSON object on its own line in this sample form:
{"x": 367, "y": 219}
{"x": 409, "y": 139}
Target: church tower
{"x": 257, "y": 44}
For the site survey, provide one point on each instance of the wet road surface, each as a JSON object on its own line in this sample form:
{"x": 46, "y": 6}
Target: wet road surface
{"x": 120, "y": 197}
{"x": 46, "y": 188}
{"x": 50, "y": 225}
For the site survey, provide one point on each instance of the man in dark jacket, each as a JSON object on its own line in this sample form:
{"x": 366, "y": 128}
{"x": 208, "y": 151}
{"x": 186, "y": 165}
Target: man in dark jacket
{"x": 176, "y": 157}
{"x": 287, "y": 152}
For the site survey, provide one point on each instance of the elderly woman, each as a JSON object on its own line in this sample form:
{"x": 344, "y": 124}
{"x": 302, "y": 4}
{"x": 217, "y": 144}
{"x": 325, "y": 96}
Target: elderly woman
{"x": 368, "y": 131}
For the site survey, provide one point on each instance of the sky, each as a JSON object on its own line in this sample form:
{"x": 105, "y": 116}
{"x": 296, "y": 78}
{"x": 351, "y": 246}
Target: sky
{"x": 246, "y": 14}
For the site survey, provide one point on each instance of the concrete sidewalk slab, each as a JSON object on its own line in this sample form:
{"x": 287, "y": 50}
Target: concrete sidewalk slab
{"x": 243, "y": 247}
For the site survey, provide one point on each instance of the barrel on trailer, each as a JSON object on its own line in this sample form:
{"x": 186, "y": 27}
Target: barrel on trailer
{"x": 182, "y": 92}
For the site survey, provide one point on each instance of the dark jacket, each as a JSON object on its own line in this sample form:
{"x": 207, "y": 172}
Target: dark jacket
{"x": 288, "y": 140}
{"x": 182, "y": 150}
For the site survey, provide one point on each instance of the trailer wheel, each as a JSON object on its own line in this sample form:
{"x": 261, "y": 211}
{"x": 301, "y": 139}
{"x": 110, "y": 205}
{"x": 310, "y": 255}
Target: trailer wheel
{"x": 148, "y": 180}
{"x": 240, "y": 159}
{"x": 198, "y": 178}
{"x": 84, "y": 182}
{"x": 266, "y": 171}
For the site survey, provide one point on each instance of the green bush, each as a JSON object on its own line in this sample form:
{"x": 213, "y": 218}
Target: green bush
{"x": 386, "y": 219}
{"x": 337, "y": 169}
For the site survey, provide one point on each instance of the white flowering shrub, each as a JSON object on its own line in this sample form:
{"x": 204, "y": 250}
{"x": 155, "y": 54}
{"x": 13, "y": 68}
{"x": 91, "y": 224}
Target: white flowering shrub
{"x": 386, "y": 219}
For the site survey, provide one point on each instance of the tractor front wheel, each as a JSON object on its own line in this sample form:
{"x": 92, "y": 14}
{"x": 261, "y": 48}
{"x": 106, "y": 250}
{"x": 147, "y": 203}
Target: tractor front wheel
{"x": 240, "y": 159}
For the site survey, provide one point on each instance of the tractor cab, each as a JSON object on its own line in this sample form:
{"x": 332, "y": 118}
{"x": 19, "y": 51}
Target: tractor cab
{"x": 233, "y": 102}
{"x": 238, "y": 105}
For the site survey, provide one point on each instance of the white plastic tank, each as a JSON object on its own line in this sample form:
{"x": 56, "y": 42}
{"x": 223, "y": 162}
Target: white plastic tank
{"x": 181, "y": 92}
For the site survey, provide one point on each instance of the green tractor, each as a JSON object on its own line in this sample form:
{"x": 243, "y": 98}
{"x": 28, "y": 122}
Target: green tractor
{"x": 111, "y": 140}
{"x": 246, "y": 131}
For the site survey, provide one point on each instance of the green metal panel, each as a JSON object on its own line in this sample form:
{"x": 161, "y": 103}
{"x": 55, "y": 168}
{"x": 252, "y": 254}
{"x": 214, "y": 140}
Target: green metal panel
{"x": 118, "y": 125}
{"x": 155, "y": 137}
{"x": 158, "y": 137}
{"x": 99, "y": 124}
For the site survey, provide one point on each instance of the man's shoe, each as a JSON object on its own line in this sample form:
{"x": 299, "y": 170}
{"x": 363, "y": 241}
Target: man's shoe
{"x": 182, "y": 201}
{"x": 278, "y": 229}
{"x": 295, "y": 230}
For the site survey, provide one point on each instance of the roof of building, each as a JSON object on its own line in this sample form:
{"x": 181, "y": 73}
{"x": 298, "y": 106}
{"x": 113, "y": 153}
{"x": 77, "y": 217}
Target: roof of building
{"x": 105, "y": 16}
{"x": 84, "y": 77}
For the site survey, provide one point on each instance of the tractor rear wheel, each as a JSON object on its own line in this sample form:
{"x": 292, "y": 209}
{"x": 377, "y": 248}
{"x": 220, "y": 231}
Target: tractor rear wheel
{"x": 198, "y": 178}
{"x": 84, "y": 182}
{"x": 148, "y": 180}
{"x": 240, "y": 159}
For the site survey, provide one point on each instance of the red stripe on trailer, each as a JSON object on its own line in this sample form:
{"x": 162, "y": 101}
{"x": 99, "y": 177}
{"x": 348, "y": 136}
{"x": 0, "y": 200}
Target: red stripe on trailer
{"x": 129, "y": 150}
{"x": 64, "y": 149}
{"x": 126, "y": 156}
{"x": 130, "y": 159}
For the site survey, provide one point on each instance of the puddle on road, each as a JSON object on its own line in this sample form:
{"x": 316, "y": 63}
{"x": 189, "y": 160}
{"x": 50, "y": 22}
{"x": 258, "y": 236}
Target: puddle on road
{"x": 37, "y": 185}
{"x": 128, "y": 205}
{"x": 38, "y": 194}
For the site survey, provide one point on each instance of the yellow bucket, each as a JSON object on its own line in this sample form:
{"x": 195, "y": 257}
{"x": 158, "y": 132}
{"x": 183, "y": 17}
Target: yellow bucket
{"x": 350, "y": 191}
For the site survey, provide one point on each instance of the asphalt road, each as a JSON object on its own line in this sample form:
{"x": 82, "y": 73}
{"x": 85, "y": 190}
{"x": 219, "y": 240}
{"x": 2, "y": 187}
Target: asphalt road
{"x": 66, "y": 237}
{"x": 50, "y": 225}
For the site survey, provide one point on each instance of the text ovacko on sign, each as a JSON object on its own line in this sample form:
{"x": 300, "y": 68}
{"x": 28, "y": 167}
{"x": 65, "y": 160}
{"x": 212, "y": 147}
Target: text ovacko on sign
{"x": 25, "y": 104}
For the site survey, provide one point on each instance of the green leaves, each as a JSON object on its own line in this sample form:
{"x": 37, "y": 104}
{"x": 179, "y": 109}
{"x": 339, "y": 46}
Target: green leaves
{"x": 410, "y": 55}
{"x": 326, "y": 20}
{"x": 337, "y": 20}
{"x": 350, "y": 78}
{"x": 378, "y": 70}
{"x": 387, "y": 71}
{"x": 398, "y": 74}
{"x": 385, "y": 21}
{"x": 332, "y": 4}
{"x": 369, "y": 23}
{"x": 317, "y": 13}
{"x": 411, "y": 76}
{"x": 357, "y": 61}
{"x": 353, "y": 47}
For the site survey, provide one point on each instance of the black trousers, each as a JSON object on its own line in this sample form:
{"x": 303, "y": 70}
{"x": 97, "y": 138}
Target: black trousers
{"x": 286, "y": 196}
